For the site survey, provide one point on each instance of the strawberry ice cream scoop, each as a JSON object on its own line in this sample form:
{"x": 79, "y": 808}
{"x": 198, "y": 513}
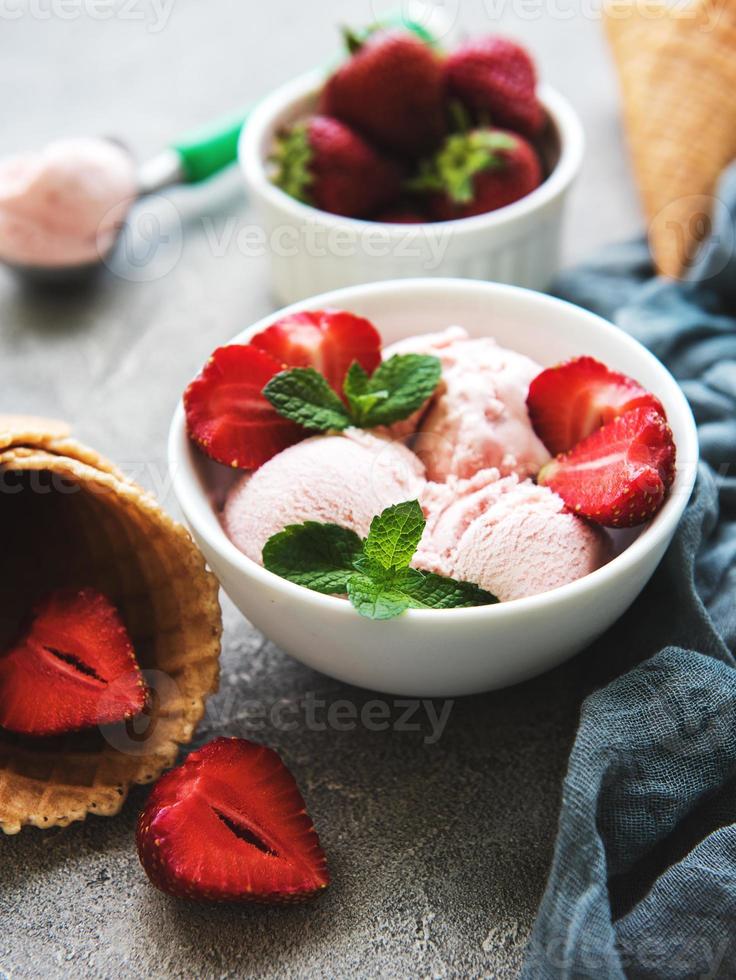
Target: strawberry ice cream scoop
{"x": 64, "y": 205}
{"x": 511, "y": 537}
{"x": 478, "y": 417}
{"x": 346, "y": 479}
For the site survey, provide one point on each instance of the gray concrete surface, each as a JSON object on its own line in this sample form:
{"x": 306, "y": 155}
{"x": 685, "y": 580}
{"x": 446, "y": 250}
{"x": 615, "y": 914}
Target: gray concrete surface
{"x": 439, "y": 850}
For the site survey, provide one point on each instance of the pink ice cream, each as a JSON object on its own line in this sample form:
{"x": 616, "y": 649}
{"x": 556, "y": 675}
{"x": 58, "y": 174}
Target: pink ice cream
{"x": 478, "y": 417}
{"x": 63, "y": 205}
{"x": 487, "y": 522}
{"x": 511, "y": 537}
{"x": 346, "y": 480}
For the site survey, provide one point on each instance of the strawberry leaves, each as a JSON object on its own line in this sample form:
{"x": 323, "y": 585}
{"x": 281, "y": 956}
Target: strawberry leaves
{"x": 375, "y": 574}
{"x": 395, "y": 390}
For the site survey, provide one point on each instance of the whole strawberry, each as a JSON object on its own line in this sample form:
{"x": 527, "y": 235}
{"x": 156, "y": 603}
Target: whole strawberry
{"x": 476, "y": 172}
{"x": 392, "y": 91}
{"x": 324, "y": 163}
{"x": 496, "y": 80}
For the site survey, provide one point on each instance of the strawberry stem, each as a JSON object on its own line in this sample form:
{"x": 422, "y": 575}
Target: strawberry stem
{"x": 459, "y": 116}
{"x": 353, "y": 41}
{"x": 462, "y": 157}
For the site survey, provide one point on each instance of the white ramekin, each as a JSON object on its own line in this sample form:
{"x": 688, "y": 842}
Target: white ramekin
{"x": 460, "y": 651}
{"x": 312, "y": 251}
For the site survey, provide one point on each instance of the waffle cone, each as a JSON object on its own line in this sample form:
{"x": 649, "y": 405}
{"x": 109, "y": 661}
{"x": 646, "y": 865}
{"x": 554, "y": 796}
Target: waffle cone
{"x": 677, "y": 70}
{"x": 69, "y": 519}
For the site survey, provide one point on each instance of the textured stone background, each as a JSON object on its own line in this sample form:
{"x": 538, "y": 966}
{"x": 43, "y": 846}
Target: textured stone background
{"x": 439, "y": 851}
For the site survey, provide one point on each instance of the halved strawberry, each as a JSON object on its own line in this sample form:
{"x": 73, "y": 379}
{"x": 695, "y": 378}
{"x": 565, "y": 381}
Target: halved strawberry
{"x": 228, "y": 416}
{"x": 326, "y": 340}
{"x": 230, "y": 824}
{"x": 568, "y": 402}
{"x": 74, "y": 668}
{"x": 618, "y": 476}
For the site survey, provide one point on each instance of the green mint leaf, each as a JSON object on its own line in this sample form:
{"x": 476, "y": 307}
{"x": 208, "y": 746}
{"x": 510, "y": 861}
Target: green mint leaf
{"x": 357, "y": 381}
{"x": 430, "y": 591}
{"x": 379, "y": 593}
{"x": 374, "y": 599}
{"x": 374, "y": 573}
{"x": 394, "y": 535}
{"x": 318, "y": 556}
{"x": 408, "y": 381}
{"x": 361, "y": 398}
{"x": 303, "y": 395}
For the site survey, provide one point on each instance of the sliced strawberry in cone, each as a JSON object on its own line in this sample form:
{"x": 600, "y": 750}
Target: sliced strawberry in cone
{"x": 230, "y": 825}
{"x": 75, "y": 668}
{"x": 326, "y": 340}
{"x": 568, "y": 402}
{"x": 619, "y": 476}
{"x": 228, "y": 416}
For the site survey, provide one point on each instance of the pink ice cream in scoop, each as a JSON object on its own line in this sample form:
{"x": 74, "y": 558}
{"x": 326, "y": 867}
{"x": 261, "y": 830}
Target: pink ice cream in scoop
{"x": 478, "y": 417}
{"x": 63, "y": 205}
{"x": 346, "y": 479}
{"x": 511, "y": 537}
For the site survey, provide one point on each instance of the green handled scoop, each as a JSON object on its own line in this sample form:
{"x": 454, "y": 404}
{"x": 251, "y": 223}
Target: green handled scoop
{"x": 194, "y": 158}
{"x": 208, "y": 150}
{"x": 212, "y": 148}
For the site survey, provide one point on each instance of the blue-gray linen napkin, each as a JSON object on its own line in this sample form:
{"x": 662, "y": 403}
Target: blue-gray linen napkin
{"x": 643, "y": 880}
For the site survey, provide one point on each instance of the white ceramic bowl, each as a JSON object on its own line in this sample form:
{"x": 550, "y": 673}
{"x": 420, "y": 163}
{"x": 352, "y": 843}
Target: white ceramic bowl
{"x": 461, "y": 651}
{"x": 313, "y": 251}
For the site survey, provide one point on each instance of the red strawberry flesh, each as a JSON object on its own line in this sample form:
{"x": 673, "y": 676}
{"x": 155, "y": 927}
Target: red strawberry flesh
{"x": 618, "y": 476}
{"x": 327, "y": 340}
{"x": 568, "y": 402}
{"x": 230, "y": 824}
{"x": 229, "y": 417}
{"x": 74, "y": 668}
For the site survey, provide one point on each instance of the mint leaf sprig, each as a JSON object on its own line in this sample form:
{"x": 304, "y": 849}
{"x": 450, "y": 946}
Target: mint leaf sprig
{"x": 374, "y": 573}
{"x": 396, "y": 389}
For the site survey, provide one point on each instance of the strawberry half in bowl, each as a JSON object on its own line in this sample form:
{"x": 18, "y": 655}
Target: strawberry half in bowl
{"x": 312, "y": 249}
{"x": 444, "y": 652}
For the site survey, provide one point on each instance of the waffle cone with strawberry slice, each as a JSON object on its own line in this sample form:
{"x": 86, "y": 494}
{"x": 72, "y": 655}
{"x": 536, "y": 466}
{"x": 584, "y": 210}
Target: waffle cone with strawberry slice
{"x": 94, "y": 558}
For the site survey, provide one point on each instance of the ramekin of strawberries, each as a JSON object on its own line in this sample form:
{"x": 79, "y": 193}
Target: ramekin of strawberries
{"x": 406, "y": 160}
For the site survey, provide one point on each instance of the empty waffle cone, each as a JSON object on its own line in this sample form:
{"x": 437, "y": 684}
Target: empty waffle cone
{"x": 677, "y": 69}
{"x": 69, "y": 519}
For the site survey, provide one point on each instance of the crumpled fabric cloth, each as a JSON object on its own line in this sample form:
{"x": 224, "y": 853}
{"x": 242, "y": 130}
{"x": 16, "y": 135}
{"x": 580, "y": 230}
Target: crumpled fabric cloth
{"x": 643, "y": 879}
